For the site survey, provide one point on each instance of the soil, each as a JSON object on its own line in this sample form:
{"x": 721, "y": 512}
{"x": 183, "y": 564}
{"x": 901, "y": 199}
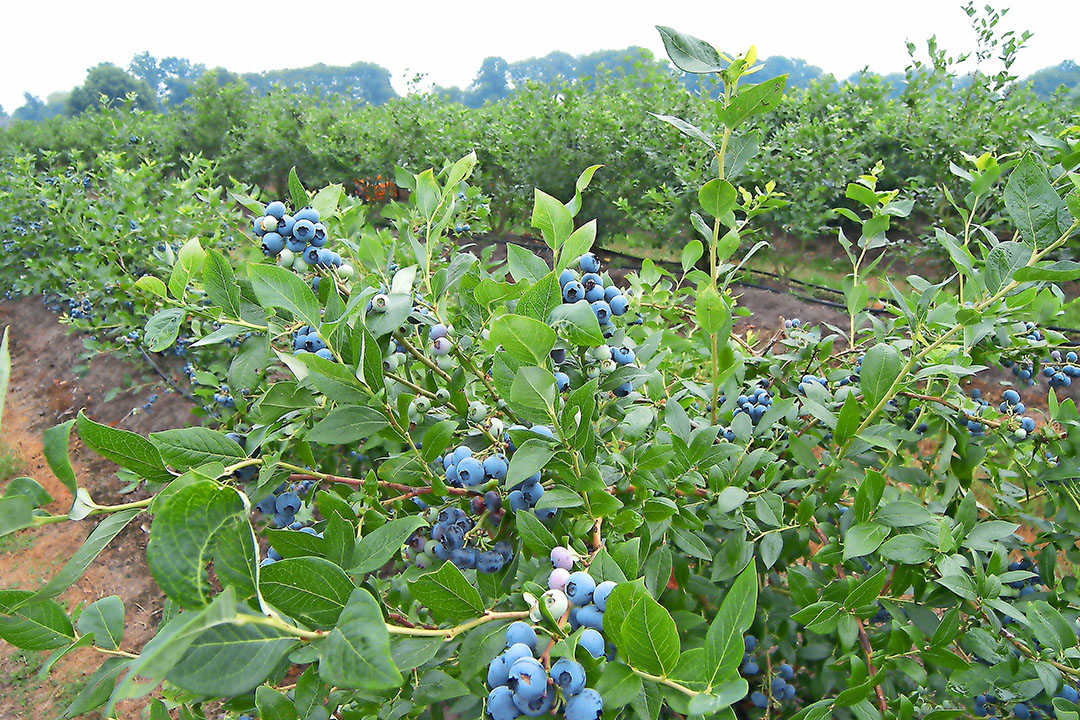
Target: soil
{"x": 43, "y": 392}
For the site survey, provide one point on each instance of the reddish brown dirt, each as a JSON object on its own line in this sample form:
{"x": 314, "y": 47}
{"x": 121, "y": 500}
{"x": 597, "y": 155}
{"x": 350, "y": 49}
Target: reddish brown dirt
{"x": 43, "y": 392}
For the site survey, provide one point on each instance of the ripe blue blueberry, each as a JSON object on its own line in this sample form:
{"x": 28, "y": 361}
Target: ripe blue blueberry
{"x": 591, "y": 616}
{"x": 492, "y": 500}
{"x": 495, "y": 467}
{"x": 470, "y": 471}
{"x": 517, "y": 501}
{"x": 285, "y": 225}
{"x": 521, "y": 632}
{"x": 295, "y": 245}
{"x": 531, "y": 492}
{"x": 489, "y": 562}
{"x": 777, "y": 685}
{"x": 589, "y": 263}
{"x": 498, "y": 672}
{"x": 461, "y": 452}
{"x": 594, "y": 293}
{"x": 310, "y": 214}
{"x": 527, "y": 678}
{"x": 311, "y": 255}
{"x": 276, "y": 209}
{"x": 611, "y": 291}
{"x": 319, "y": 238}
{"x": 500, "y": 704}
{"x": 562, "y": 381}
{"x": 592, "y": 641}
{"x": 464, "y": 558}
{"x": 786, "y": 671}
{"x": 325, "y": 257}
{"x": 1021, "y": 711}
{"x": 287, "y": 503}
{"x": 325, "y": 354}
{"x": 586, "y": 705}
{"x": 619, "y": 305}
{"x": 272, "y": 244}
{"x": 749, "y": 668}
{"x": 759, "y": 699}
{"x": 601, "y": 593}
{"x": 602, "y": 310}
{"x": 573, "y": 292}
{"x": 568, "y": 675}
{"x": 566, "y": 276}
{"x": 303, "y": 229}
{"x": 1012, "y": 397}
{"x": 536, "y": 706}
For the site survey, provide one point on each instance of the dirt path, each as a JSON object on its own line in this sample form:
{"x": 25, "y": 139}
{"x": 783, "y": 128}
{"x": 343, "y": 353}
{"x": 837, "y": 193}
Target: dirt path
{"x": 42, "y": 393}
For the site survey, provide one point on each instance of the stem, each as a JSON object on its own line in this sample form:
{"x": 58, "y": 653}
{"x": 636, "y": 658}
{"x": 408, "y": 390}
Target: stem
{"x": 665, "y": 681}
{"x": 451, "y": 633}
{"x": 431, "y": 364}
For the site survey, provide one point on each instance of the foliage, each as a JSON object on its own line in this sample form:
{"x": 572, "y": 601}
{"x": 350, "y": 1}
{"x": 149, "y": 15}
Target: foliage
{"x": 108, "y": 85}
{"x": 815, "y": 522}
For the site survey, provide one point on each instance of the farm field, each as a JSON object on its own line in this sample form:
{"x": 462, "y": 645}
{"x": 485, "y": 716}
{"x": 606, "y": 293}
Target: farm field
{"x": 684, "y": 392}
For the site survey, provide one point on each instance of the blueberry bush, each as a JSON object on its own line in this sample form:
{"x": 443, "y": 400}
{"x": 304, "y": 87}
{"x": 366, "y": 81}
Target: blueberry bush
{"x": 442, "y": 485}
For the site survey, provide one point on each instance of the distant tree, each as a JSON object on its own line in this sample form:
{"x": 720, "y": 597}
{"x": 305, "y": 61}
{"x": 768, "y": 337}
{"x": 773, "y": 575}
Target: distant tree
{"x": 1047, "y": 81}
{"x": 800, "y": 73}
{"x": 112, "y": 82}
{"x": 492, "y": 82}
{"x": 36, "y": 110}
{"x": 361, "y": 81}
{"x": 170, "y": 78}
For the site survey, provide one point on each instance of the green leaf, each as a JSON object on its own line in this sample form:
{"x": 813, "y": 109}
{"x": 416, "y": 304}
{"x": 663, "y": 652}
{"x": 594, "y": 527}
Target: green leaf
{"x": 863, "y": 539}
{"x": 273, "y": 705}
{"x": 447, "y": 594}
{"x": 188, "y": 448}
{"x": 848, "y": 420}
{"x": 1003, "y": 261}
{"x": 16, "y": 513}
{"x": 754, "y": 100}
{"x": 356, "y": 653}
{"x": 73, "y": 569}
{"x": 231, "y": 659}
{"x": 880, "y": 368}
{"x": 183, "y": 536}
{"x": 436, "y": 686}
{"x": 41, "y": 625}
{"x": 381, "y": 544}
{"x": 618, "y": 685}
{"x": 1060, "y": 271}
{"x": 347, "y": 425}
{"x": 551, "y": 218}
{"x": 724, "y": 641}
{"x": 326, "y": 201}
{"x": 525, "y": 264}
{"x": 220, "y": 284}
{"x": 650, "y": 638}
{"x": 867, "y": 591}
{"x": 126, "y": 449}
{"x": 297, "y": 193}
{"x": 189, "y": 261}
{"x": 543, "y": 297}
{"x": 5, "y": 370}
{"x": 726, "y": 694}
{"x": 55, "y": 449}
{"x": 578, "y": 243}
{"x": 523, "y": 338}
{"x": 687, "y": 129}
{"x": 247, "y": 366}
{"x": 528, "y": 460}
{"x": 689, "y": 53}
{"x": 535, "y": 534}
{"x": 579, "y": 323}
{"x": 161, "y": 329}
{"x": 310, "y": 589}
{"x": 717, "y": 197}
{"x": 29, "y": 487}
{"x": 276, "y": 287}
{"x": 152, "y": 285}
{"x": 713, "y": 315}
{"x": 334, "y": 380}
{"x": 427, "y": 194}
{"x": 1033, "y": 204}
{"x": 532, "y": 394}
{"x": 691, "y": 253}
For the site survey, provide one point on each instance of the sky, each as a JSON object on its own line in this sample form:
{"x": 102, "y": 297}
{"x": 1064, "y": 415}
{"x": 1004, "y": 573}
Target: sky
{"x": 59, "y": 39}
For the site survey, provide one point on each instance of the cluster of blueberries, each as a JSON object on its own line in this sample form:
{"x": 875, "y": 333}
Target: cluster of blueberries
{"x": 606, "y": 302}
{"x": 780, "y": 685}
{"x": 519, "y": 683}
{"x": 1027, "y": 586}
{"x": 985, "y": 705}
{"x": 307, "y": 340}
{"x": 792, "y": 324}
{"x": 283, "y": 504}
{"x": 755, "y": 403}
{"x": 1011, "y": 405}
{"x": 450, "y": 536}
{"x": 146, "y": 406}
{"x": 602, "y": 359}
{"x": 80, "y": 308}
{"x": 297, "y": 241}
{"x": 224, "y": 397}
{"x": 1060, "y": 370}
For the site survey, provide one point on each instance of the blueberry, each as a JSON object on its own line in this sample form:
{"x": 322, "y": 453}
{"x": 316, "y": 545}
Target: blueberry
{"x": 275, "y": 209}
{"x": 592, "y": 641}
{"x": 272, "y": 244}
{"x": 777, "y": 685}
{"x": 759, "y": 699}
{"x": 303, "y": 229}
{"x": 517, "y": 501}
{"x": 573, "y": 291}
{"x": 749, "y": 669}
{"x": 527, "y": 678}
{"x": 568, "y": 675}
{"x": 460, "y": 453}
{"x": 536, "y": 706}
{"x": 591, "y": 616}
{"x": 562, "y": 381}
{"x": 789, "y": 692}
{"x": 267, "y": 506}
{"x": 787, "y": 672}
{"x": 1068, "y": 692}
{"x": 521, "y": 632}
{"x": 566, "y": 276}
{"x": 749, "y": 641}
{"x": 500, "y": 704}
{"x": 594, "y": 294}
{"x": 492, "y": 500}
{"x": 531, "y": 493}
{"x": 470, "y": 471}
{"x": 287, "y": 503}
{"x": 310, "y": 214}
{"x": 586, "y": 705}
{"x": 311, "y": 255}
{"x": 600, "y": 308}
{"x": 325, "y": 353}
{"x": 557, "y": 579}
{"x": 1021, "y": 711}
{"x": 498, "y": 672}
{"x": 611, "y": 291}
{"x": 489, "y": 562}
{"x": 437, "y": 331}
{"x": 589, "y": 263}
{"x": 562, "y": 557}
{"x": 601, "y": 593}
{"x": 495, "y": 467}
{"x": 558, "y": 356}
{"x": 1012, "y": 397}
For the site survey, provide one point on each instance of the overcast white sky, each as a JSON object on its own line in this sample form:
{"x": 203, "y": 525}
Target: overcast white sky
{"x": 49, "y": 44}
